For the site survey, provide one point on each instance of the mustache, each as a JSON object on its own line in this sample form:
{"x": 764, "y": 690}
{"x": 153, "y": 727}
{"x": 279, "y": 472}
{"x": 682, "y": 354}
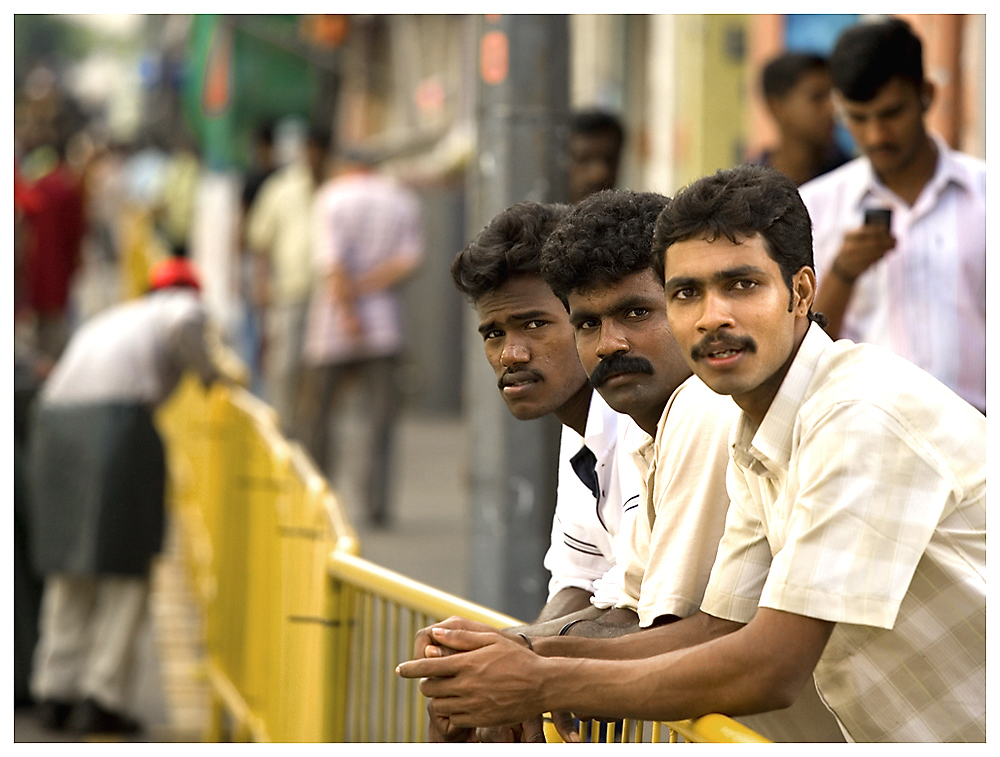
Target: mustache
{"x": 617, "y": 363}
{"x": 716, "y": 342}
{"x": 513, "y": 376}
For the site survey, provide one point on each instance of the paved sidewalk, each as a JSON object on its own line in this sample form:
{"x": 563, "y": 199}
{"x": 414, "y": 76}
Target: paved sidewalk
{"x": 428, "y": 542}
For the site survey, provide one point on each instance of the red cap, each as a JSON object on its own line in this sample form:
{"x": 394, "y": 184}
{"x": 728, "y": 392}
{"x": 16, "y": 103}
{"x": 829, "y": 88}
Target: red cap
{"x": 174, "y": 272}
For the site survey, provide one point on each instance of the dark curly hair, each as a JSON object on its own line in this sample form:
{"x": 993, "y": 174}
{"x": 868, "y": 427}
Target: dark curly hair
{"x": 603, "y": 239}
{"x": 740, "y": 202}
{"x": 509, "y": 245}
{"x": 867, "y": 56}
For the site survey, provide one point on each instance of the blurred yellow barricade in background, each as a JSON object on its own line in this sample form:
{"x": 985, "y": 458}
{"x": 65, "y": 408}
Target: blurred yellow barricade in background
{"x": 302, "y": 635}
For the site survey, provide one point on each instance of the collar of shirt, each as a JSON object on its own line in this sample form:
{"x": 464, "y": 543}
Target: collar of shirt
{"x": 767, "y": 449}
{"x": 947, "y": 171}
{"x": 602, "y": 426}
{"x": 641, "y": 450}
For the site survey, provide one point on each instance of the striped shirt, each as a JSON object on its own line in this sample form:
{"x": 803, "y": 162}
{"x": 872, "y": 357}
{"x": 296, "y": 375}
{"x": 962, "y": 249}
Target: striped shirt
{"x": 361, "y": 221}
{"x": 926, "y": 299}
{"x": 584, "y": 545}
{"x": 861, "y": 499}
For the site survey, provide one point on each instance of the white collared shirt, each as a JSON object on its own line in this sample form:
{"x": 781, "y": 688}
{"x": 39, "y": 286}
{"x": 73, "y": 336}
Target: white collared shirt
{"x": 926, "y": 299}
{"x": 861, "y": 499}
{"x": 583, "y": 548}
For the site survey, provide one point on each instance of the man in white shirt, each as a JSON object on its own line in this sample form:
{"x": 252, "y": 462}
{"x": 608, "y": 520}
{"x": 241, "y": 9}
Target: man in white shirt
{"x": 855, "y": 545}
{"x": 530, "y": 346}
{"x": 914, "y": 281}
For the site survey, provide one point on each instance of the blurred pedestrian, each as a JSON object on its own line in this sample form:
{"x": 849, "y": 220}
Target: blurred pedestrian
{"x": 796, "y": 89}
{"x": 900, "y": 233}
{"x": 279, "y": 233}
{"x": 53, "y": 212}
{"x": 368, "y": 242}
{"x": 96, "y": 475}
{"x": 252, "y": 269}
{"x": 262, "y": 164}
{"x": 175, "y": 206}
{"x": 595, "y": 146}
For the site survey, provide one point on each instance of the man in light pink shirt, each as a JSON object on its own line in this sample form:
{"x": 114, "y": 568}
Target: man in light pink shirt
{"x": 367, "y": 241}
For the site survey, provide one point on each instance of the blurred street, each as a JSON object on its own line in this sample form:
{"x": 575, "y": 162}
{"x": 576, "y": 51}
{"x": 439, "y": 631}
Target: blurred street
{"x": 428, "y": 542}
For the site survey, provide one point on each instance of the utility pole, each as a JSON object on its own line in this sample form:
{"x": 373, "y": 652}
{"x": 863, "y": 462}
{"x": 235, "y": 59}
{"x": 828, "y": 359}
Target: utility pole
{"x": 522, "y": 114}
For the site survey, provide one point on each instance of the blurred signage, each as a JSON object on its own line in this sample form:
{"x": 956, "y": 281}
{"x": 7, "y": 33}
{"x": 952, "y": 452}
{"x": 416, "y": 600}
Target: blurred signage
{"x": 327, "y": 30}
{"x": 493, "y": 57}
{"x": 216, "y": 91}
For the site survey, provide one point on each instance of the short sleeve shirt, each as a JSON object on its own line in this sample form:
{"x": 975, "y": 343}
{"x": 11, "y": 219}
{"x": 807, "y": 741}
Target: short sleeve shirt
{"x": 583, "y": 549}
{"x": 860, "y": 499}
{"x": 675, "y": 535}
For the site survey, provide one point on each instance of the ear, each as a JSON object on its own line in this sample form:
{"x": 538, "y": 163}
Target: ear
{"x": 774, "y": 107}
{"x": 927, "y": 92}
{"x": 803, "y": 291}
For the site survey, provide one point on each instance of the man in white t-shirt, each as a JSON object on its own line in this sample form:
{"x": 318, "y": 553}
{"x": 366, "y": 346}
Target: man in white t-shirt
{"x": 912, "y": 279}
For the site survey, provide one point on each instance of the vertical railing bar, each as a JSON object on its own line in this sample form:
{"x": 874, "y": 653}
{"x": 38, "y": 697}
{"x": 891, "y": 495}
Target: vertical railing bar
{"x": 367, "y": 665}
{"x": 390, "y": 672}
{"x": 420, "y": 708}
{"x": 409, "y": 723}
{"x": 378, "y": 670}
{"x": 358, "y": 642}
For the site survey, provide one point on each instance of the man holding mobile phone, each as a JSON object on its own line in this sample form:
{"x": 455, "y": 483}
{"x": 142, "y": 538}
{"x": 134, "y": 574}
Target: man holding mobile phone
{"x": 900, "y": 233}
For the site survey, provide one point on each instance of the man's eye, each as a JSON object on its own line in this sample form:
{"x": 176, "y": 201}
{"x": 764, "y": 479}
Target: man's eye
{"x": 492, "y": 334}
{"x": 535, "y": 324}
{"x": 744, "y": 284}
{"x": 682, "y": 294}
{"x": 637, "y": 313}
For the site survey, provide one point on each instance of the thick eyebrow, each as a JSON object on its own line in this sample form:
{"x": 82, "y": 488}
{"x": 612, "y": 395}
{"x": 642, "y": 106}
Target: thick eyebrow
{"x": 628, "y": 302}
{"x": 681, "y": 282}
{"x": 527, "y": 315}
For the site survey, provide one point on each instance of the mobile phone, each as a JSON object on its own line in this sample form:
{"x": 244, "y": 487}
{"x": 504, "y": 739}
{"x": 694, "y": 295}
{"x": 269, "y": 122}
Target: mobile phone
{"x": 879, "y": 216}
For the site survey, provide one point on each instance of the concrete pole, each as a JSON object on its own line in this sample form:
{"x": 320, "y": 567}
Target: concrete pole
{"x": 522, "y": 120}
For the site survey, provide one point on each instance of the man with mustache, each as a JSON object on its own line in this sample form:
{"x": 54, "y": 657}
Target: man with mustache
{"x": 916, "y": 281}
{"x": 530, "y": 346}
{"x": 599, "y": 262}
{"x": 855, "y": 544}
{"x": 529, "y": 343}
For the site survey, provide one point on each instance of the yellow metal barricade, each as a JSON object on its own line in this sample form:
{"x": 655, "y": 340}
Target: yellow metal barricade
{"x": 302, "y": 635}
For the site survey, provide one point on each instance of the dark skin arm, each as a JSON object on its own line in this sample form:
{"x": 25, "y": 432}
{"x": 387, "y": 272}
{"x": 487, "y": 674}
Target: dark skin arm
{"x": 570, "y": 602}
{"x": 661, "y": 674}
{"x": 594, "y": 623}
{"x": 860, "y": 249}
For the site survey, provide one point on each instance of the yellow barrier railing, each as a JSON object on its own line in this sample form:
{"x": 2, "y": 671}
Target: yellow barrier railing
{"x": 302, "y": 634}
